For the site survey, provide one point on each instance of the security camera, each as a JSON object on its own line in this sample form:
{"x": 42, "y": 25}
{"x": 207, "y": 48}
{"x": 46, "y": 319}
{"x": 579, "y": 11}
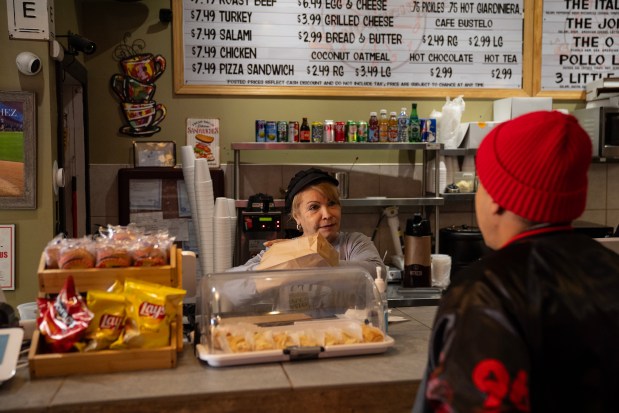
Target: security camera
{"x": 79, "y": 43}
{"x": 28, "y": 63}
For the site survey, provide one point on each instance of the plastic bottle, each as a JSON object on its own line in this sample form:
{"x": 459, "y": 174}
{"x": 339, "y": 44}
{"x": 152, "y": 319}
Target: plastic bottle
{"x": 304, "y": 131}
{"x": 403, "y": 126}
{"x": 373, "y": 128}
{"x": 382, "y": 289}
{"x": 383, "y": 126}
{"x": 417, "y": 253}
{"x": 414, "y": 131}
{"x": 393, "y": 127}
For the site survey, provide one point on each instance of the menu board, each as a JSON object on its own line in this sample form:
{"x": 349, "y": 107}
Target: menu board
{"x": 380, "y": 44}
{"x": 580, "y": 43}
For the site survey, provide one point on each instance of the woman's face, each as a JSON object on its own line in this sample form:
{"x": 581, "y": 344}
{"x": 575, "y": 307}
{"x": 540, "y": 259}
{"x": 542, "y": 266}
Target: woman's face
{"x": 316, "y": 213}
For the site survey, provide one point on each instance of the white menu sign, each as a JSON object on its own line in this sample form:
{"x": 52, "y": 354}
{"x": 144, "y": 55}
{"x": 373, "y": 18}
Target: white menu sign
{"x": 353, "y": 43}
{"x": 580, "y": 42}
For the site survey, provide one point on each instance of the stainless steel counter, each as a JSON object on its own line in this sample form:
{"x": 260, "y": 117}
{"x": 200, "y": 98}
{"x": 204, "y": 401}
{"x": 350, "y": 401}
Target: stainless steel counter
{"x": 371, "y": 383}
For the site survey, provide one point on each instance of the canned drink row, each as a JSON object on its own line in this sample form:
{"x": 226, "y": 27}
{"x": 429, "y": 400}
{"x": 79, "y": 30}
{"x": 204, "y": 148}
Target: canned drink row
{"x": 329, "y": 131}
{"x": 277, "y": 131}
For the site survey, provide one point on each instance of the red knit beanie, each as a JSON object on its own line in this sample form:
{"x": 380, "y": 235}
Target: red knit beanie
{"x": 536, "y": 166}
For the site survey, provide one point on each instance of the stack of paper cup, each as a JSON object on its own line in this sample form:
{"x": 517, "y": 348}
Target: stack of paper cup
{"x": 441, "y": 268}
{"x": 188, "y": 160}
{"x": 233, "y": 220}
{"x": 223, "y": 236}
{"x": 205, "y": 207}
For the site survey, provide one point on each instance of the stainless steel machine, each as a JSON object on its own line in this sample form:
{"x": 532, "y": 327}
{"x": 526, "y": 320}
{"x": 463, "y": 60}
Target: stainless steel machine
{"x": 260, "y": 221}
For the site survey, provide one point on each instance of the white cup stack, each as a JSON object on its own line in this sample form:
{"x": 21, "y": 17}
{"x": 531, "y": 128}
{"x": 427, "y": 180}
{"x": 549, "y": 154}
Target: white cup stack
{"x": 205, "y": 206}
{"x": 224, "y": 242}
{"x": 441, "y": 268}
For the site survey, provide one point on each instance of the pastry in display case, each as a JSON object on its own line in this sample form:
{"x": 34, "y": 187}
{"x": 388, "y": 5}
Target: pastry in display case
{"x": 284, "y": 315}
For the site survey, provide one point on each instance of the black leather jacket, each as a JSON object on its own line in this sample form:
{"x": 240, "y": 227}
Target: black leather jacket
{"x": 533, "y": 326}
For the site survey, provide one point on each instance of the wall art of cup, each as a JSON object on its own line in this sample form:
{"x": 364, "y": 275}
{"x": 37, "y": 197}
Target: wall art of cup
{"x": 131, "y": 90}
{"x": 143, "y": 116}
{"x": 144, "y": 67}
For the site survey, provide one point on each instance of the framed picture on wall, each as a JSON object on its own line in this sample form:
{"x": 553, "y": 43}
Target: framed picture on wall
{"x": 17, "y": 150}
{"x": 154, "y": 153}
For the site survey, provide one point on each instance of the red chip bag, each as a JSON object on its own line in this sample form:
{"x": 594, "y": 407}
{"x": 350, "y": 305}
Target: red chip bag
{"x": 63, "y": 321}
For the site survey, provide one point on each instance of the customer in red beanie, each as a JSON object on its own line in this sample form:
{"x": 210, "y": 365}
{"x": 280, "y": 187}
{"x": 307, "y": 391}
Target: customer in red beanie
{"x": 534, "y": 325}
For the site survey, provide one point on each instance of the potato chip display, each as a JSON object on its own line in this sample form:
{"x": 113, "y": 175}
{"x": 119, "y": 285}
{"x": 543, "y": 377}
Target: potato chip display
{"x": 109, "y": 319}
{"x": 63, "y": 321}
{"x": 150, "y": 310}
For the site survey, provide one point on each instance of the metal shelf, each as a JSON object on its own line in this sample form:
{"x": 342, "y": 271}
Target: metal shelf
{"x": 424, "y": 200}
{"x": 260, "y": 146}
{"x": 368, "y": 202}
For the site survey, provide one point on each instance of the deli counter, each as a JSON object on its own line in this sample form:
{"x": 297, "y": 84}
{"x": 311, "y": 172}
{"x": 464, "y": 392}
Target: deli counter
{"x": 384, "y": 382}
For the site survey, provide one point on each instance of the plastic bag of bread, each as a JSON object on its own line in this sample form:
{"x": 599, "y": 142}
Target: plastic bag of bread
{"x": 129, "y": 232}
{"x": 51, "y": 252}
{"x": 77, "y": 254}
{"x": 150, "y": 251}
{"x": 111, "y": 253}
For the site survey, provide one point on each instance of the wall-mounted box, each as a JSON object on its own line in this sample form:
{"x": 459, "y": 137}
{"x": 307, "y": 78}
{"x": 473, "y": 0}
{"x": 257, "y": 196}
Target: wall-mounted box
{"x": 510, "y": 108}
{"x": 475, "y": 132}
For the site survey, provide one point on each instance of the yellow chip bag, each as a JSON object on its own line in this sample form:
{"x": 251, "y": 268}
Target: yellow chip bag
{"x": 150, "y": 310}
{"x": 108, "y": 321}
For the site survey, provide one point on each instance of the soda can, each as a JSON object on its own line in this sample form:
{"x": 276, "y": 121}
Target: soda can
{"x": 362, "y": 131}
{"x": 340, "y": 131}
{"x": 351, "y": 131}
{"x": 260, "y": 131}
{"x": 428, "y": 130}
{"x": 293, "y": 131}
{"x": 271, "y": 130}
{"x": 317, "y": 131}
{"x": 282, "y": 131}
{"x": 329, "y": 131}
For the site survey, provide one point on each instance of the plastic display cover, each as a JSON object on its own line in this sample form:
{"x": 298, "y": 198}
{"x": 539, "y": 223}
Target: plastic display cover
{"x": 295, "y": 301}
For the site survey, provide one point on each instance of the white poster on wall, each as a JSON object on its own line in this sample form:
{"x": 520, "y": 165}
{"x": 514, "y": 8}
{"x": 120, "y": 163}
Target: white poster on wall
{"x": 7, "y": 257}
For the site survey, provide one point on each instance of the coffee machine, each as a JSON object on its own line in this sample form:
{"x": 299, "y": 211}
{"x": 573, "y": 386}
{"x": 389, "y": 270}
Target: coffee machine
{"x": 259, "y": 222}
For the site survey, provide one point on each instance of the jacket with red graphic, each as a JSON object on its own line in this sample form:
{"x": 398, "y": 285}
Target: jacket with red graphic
{"x": 533, "y": 327}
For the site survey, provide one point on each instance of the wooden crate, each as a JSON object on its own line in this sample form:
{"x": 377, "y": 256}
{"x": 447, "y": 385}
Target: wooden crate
{"x": 52, "y": 281}
{"x": 44, "y": 364}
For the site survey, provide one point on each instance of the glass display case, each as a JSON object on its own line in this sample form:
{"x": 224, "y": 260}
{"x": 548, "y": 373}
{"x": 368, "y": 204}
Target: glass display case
{"x": 267, "y": 316}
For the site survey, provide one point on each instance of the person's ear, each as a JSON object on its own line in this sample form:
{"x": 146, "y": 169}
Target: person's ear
{"x": 497, "y": 209}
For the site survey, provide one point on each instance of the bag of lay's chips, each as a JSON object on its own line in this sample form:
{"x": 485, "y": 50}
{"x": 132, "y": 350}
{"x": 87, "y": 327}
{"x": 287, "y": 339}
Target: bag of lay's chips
{"x": 151, "y": 308}
{"x": 109, "y": 319}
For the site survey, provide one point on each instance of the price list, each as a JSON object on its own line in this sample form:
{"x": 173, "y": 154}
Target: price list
{"x": 580, "y": 42}
{"x": 353, "y": 43}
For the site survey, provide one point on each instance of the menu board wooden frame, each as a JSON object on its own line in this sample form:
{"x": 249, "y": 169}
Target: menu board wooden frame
{"x": 537, "y": 61}
{"x": 483, "y": 93}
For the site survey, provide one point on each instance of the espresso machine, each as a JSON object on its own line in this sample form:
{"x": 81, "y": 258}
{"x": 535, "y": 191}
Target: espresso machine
{"x": 259, "y": 222}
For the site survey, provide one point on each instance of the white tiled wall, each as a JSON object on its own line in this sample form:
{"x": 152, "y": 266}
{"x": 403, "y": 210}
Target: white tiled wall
{"x": 402, "y": 180}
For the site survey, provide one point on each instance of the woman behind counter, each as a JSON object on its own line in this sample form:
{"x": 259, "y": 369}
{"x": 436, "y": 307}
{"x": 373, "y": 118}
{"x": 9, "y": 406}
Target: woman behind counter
{"x": 313, "y": 200}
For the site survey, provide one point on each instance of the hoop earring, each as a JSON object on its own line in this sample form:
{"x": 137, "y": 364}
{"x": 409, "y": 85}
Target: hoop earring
{"x": 299, "y": 227}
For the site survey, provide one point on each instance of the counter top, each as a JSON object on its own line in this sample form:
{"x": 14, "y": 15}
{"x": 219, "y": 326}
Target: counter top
{"x": 384, "y": 382}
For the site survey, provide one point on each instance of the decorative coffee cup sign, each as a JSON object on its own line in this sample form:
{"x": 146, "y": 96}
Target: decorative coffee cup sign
{"x": 135, "y": 87}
